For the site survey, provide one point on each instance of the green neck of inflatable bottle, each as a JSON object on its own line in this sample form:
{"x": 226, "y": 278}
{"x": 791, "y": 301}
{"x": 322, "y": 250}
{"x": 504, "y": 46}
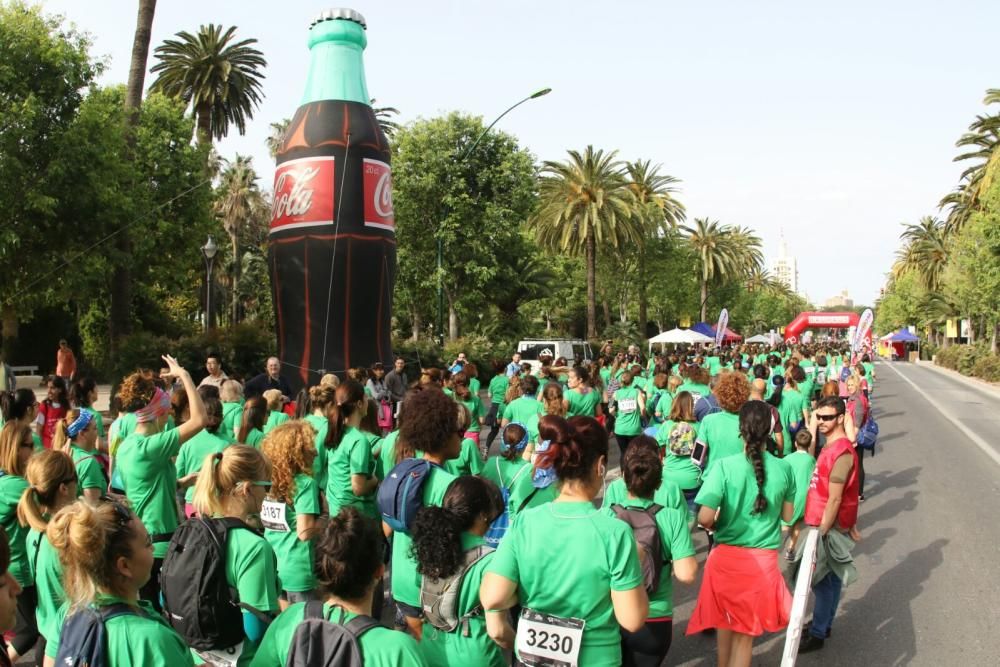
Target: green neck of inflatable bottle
{"x": 336, "y": 65}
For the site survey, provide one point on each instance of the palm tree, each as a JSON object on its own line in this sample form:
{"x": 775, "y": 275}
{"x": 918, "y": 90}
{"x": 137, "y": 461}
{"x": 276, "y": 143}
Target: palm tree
{"x": 585, "y": 203}
{"x": 981, "y": 142}
{"x": 717, "y": 255}
{"x": 239, "y": 199}
{"x": 222, "y": 81}
{"x": 277, "y": 135}
{"x": 656, "y": 212}
{"x": 924, "y": 251}
{"x": 384, "y": 117}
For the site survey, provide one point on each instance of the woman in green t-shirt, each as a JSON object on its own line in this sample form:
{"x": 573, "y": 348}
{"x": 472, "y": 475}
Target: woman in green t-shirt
{"x": 290, "y": 513}
{"x": 469, "y": 460}
{"x": 53, "y": 480}
{"x": 350, "y": 468}
{"x": 107, "y": 556}
{"x": 463, "y": 395}
{"x": 581, "y": 397}
{"x": 16, "y": 448}
{"x": 233, "y": 483}
{"x": 598, "y": 586}
{"x": 512, "y": 470}
{"x": 275, "y": 417}
{"x": 445, "y": 539}
{"x": 497, "y": 390}
{"x": 76, "y": 435}
{"x": 676, "y": 437}
{"x": 629, "y": 407}
{"x": 744, "y": 498}
{"x": 321, "y": 399}
{"x": 643, "y": 475}
{"x": 348, "y": 566}
{"x": 251, "y": 425}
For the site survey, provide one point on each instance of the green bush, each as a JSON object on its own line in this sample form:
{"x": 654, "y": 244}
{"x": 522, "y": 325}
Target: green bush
{"x": 988, "y": 368}
{"x": 928, "y": 350}
{"x": 964, "y": 358}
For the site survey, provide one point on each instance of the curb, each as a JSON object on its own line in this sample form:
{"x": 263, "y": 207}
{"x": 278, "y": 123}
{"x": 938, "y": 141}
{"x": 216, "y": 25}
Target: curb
{"x": 990, "y": 388}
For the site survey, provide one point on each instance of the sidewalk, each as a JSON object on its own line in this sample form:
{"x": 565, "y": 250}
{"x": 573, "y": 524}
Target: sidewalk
{"x": 991, "y": 388}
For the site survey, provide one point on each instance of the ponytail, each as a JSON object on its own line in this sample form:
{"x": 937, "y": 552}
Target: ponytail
{"x": 61, "y": 438}
{"x": 46, "y": 472}
{"x": 346, "y": 399}
{"x": 222, "y": 472}
{"x": 574, "y": 445}
{"x": 460, "y": 385}
{"x": 755, "y": 452}
{"x": 755, "y": 429}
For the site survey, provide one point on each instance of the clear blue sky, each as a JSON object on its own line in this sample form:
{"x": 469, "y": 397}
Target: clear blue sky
{"x": 832, "y": 121}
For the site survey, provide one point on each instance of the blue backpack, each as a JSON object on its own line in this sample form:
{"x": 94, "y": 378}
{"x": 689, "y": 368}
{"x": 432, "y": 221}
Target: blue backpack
{"x": 82, "y": 642}
{"x": 500, "y": 524}
{"x": 401, "y": 493}
{"x": 868, "y": 435}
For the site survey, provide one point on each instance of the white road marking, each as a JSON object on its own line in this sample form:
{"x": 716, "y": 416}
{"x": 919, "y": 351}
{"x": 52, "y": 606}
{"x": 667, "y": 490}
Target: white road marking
{"x": 978, "y": 441}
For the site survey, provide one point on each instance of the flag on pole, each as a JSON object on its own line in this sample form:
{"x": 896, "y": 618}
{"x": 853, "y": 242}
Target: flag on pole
{"x": 720, "y": 327}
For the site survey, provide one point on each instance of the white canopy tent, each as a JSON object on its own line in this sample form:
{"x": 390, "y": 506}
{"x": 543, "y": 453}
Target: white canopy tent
{"x": 759, "y": 338}
{"x": 679, "y": 336}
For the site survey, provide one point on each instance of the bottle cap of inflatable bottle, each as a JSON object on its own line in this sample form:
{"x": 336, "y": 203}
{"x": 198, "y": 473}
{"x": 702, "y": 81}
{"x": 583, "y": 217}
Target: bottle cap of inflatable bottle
{"x": 337, "y": 41}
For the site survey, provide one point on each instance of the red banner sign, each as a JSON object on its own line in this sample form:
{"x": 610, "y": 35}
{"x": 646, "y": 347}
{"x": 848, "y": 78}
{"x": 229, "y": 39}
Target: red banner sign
{"x": 378, "y": 195}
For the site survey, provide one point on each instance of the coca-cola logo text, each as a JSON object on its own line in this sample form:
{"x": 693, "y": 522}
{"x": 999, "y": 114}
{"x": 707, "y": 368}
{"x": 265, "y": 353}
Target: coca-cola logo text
{"x": 303, "y": 193}
{"x": 297, "y": 199}
{"x": 377, "y": 177}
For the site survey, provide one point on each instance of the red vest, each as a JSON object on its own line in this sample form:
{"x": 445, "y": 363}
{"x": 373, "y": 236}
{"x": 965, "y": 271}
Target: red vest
{"x": 819, "y": 486}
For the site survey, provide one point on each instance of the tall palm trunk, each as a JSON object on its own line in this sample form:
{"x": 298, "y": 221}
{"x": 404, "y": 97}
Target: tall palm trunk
{"x": 591, "y": 260}
{"x": 234, "y": 237}
{"x": 203, "y": 114}
{"x": 120, "y": 319}
{"x": 643, "y": 303}
{"x": 704, "y": 299}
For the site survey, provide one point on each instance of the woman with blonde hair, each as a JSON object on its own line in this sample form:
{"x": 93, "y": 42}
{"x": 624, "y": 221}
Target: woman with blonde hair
{"x": 233, "y": 484}
{"x": 350, "y": 478}
{"x": 76, "y": 435}
{"x": 107, "y": 557}
{"x": 250, "y": 430}
{"x": 552, "y": 400}
{"x": 290, "y": 512}
{"x": 321, "y": 397}
{"x": 275, "y": 417}
{"x": 16, "y": 448}
{"x": 53, "y": 479}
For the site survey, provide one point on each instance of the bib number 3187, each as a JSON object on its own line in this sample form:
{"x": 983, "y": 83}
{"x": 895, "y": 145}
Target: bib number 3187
{"x": 272, "y": 516}
{"x": 548, "y": 641}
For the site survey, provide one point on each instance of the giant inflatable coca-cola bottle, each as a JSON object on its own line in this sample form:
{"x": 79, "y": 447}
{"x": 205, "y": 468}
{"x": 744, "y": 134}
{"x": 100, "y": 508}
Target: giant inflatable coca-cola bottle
{"x": 332, "y": 244}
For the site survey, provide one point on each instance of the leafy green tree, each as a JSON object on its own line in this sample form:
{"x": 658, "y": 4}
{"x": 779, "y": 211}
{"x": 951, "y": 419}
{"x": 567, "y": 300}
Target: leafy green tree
{"x": 475, "y": 207}
{"x": 45, "y": 69}
{"x": 585, "y": 206}
{"x": 239, "y": 202}
{"x": 221, "y": 80}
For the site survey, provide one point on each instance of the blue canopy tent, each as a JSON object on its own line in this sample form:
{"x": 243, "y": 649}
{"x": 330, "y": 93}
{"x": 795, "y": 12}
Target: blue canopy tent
{"x": 901, "y": 338}
{"x": 707, "y": 329}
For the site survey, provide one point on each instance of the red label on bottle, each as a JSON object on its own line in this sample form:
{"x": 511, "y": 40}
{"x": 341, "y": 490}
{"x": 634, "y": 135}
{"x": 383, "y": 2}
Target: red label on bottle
{"x": 378, "y": 195}
{"x": 303, "y": 194}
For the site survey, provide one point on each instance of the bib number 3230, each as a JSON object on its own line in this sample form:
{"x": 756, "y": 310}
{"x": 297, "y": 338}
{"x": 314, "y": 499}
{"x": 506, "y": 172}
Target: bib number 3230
{"x": 548, "y": 641}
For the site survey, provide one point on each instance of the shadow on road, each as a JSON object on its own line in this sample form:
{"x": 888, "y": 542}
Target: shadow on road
{"x": 874, "y": 541}
{"x": 889, "y": 509}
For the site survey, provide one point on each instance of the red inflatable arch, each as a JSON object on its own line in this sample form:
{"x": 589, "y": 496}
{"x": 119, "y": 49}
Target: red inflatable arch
{"x": 793, "y": 332}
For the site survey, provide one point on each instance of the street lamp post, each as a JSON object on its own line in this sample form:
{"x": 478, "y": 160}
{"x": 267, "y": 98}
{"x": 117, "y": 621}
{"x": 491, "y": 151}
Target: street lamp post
{"x": 208, "y": 251}
{"x": 440, "y": 241}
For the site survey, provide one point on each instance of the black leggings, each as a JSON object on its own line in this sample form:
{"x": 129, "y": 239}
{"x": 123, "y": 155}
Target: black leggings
{"x": 493, "y": 419}
{"x": 623, "y": 443}
{"x": 26, "y": 626}
{"x": 649, "y": 646}
{"x": 861, "y": 470}
{"x": 151, "y": 591}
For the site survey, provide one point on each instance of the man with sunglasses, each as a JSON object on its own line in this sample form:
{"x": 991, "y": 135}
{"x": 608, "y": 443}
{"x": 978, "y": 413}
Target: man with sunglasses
{"x": 832, "y": 507}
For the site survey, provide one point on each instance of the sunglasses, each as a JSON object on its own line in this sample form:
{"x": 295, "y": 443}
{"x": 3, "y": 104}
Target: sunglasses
{"x": 266, "y": 485}
{"x": 827, "y": 418}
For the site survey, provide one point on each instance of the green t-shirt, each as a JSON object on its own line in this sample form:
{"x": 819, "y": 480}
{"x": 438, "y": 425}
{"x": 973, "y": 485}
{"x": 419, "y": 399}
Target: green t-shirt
{"x": 675, "y": 539}
{"x": 730, "y": 487}
{"x": 254, "y": 438}
{"x": 47, "y": 573}
{"x": 869, "y": 373}
{"x": 469, "y": 461}
{"x": 142, "y": 639}
{"x": 474, "y": 649}
{"x": 251, "y": 569}
{"x": 523, "y": 409}
{"x": 475, "y": 407}
{"x": 790, "y": 409}
{"x": 353, "y": 456}
{"x": 522, "y": 491}
{"x": 405, "y": 580}
{"x": 714, "y": 365}
{"x": 121, "y": 428}
{"x": 380, "y": 646}
{"x": 88, "y": 469}
{"x": 193, "y": 455}
{"x": 474, "y": 386}
{"x": 628, "y": 418}
{"x": 678, "y": 468}
{"x": 721, "y": 432}
{"x": 595, "y": 554}
{"x": 150, "y": 479}
{"x": 667, "y": 494}
{"x": 696, "y": 390}
{"x": 658, "y": 405}
{"x": 274, "y": 418}
{"x": 582, "y": 404}
{"x": 498, "y": 390}
{"x": 232, "y": 415}
{"x": 802, "y": 464}
{"x": 295, "y": 557}
{"x": 321, "y": 424}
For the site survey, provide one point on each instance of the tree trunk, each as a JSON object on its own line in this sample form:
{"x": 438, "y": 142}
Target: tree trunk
{"x": 236, "y": 274}
{"x": 704, "y": 299}
{"x": 120, "y": 316}
{"x": 8, "y": 318}
{"x": 641, "y": 287}
{"x": 591, "y": 260}
{"x": 607, "y": 312}
{"x": 993, "y": 340}
{"x": 203, "y": 113}
{"x": 452, "y": 321}
{"x": 414, "y": 325}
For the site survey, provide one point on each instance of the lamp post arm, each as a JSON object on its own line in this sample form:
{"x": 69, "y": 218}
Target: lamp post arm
{"x": 468, "y": 151}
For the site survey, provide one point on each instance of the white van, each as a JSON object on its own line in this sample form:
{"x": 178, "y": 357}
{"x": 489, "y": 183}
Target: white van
{"x": 575, "y": 351}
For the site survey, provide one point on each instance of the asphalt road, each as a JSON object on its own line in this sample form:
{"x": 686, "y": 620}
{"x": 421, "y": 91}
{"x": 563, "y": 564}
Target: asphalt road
{"x": 928, "y": 560}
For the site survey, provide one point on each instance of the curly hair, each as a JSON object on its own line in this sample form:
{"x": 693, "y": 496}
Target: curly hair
{"x": 430, "y": 421}
{"x": 136, "y": 390}
{"x": 348, "y": 554}
{"x": 437, "y": 531}
{"x": 552, "y": 399}
{"x": 291, "y": 450}
{"x": 732, "y": 390}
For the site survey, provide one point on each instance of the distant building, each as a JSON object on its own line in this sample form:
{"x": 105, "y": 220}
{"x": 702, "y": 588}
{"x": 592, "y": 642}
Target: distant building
{"x": 784, "y": 268}
{"x": 842, "y": 300}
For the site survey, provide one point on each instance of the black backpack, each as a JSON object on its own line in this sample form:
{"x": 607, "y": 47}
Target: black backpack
{"x": 82, "y": 641}
{"x": 318, "y": 642}
{"x": 647, "y": 534}
{"x": 197, "y": 600}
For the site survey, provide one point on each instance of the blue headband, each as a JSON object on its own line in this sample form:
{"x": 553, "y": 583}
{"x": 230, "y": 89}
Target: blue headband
{"x": 81, "y": 422}
{"x": 519, "y": 447}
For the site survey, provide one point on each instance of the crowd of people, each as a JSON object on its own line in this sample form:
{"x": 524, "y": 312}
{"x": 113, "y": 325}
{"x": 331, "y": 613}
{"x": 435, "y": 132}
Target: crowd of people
{"x": 238, "y": 524}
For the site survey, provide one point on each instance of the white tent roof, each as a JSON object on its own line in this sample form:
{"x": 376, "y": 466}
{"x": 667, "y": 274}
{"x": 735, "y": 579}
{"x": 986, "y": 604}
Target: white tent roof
{"x": 759, "y": 338}
{"x": 680, "y": 336}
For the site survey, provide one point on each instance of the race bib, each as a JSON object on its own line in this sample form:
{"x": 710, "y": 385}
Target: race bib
{"x": 223, "y": 657}
{"x": 272, "y": 516}
{"x": 627, "y": 405}
{"x": 548, "y": 641}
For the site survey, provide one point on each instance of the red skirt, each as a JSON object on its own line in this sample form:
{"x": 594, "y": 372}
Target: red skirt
{"x": 743, "y": 591}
